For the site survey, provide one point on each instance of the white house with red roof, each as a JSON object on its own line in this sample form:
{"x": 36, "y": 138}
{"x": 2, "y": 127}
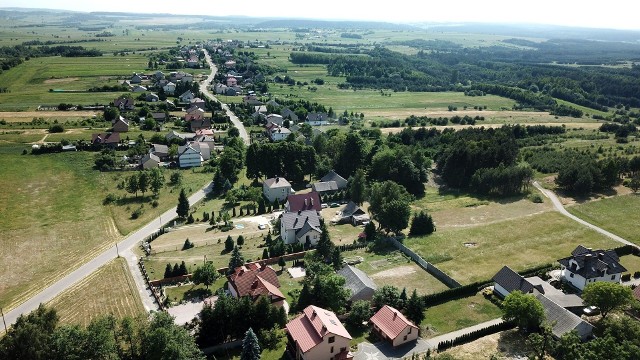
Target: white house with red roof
{"x": 392, "y": 326}
{"x": 317, "y": 334}
{"x": 255, "y": 280}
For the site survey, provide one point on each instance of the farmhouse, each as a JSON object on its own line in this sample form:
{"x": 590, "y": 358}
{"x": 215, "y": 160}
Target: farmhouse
{"x": 135, "y": 79}
{"x": 201, "y": 124}
{"x": 124, "y": 103}
{"x": 149, "y": 161}
{"x": 303, "y": 202}
{"x": 151, "y": 97}
{"x": 197, "y": 102}
{"x": 274, "y": 119}
{"x": 333, "y": 176}
{"x": 169, "y": 88}
{"x": 278, "y": 133}
{"x": 276, "y": 189}
{"x": 359, "y": 284}
{"x": 507, "y": 280}
{"x": 289, "y": 114}
{"x": 317, "y": 334}
{"x": 563, "y": 321}
{"x": 181, "y": 136}
{"x": 189, "y": 156}
{"x": 302, "y": 227}
{"x": 138, "y": 89}
{"x": 106, "y": 139}
{"x": 194, "y": 113}
{"x": 325, "y": 187}
{"x": 120, "y": 125}
{"x": 390, "y": 325}
{"x": 586, "y": 265}
{"x": 187, "y": 96}
{"x": 353, "y": 214}
{"x": 317, "y": 119}
{"x": 159, "y": 150}
{"x": 255, "y": 280}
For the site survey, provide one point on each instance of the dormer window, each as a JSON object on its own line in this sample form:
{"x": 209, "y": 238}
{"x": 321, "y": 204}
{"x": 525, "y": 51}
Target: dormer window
{"x": 332, "y": 339}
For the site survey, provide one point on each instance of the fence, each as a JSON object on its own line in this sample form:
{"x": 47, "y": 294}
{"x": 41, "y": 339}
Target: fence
{"x": 155, "y": 292}
{"x": 427, "y": 266}
{"x": 468, "y": 337}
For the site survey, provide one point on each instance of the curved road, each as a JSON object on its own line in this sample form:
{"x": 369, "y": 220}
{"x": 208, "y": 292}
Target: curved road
{"x": 204, "y": 88}
{"x": 558, "y": 205}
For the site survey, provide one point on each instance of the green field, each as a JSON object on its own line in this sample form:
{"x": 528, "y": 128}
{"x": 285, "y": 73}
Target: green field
{"x": 53, "y": 220}
{"x": 519, "y": 243}
{"x": 109, "y": 290}
{"x": 458, "y": 314}
{"x": 619, "y": 215}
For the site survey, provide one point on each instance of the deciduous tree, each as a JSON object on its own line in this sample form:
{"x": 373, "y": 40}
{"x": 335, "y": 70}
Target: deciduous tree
{"x": 607, "y": 296}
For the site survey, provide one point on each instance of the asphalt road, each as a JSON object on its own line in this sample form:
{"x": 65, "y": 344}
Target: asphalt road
{"x": 204, "y": 88}
{"x": 122, "y": 247}
{"x": 558, "y": 205}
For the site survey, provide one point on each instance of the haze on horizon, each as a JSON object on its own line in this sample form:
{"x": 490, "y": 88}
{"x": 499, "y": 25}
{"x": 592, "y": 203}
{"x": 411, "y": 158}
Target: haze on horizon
{"x": 546, "y": 12}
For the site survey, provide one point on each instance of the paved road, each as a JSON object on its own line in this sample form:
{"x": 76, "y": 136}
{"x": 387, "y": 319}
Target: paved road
{"x": 123, "y": 246}
{"x": 204, "y": 88}
{"x": 384, "y": 350}
{"x": 558, "y": 205}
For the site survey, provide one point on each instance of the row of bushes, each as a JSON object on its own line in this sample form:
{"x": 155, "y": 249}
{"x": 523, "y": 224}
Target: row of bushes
{"x": 627, "y": 277}
{"x": 465, "y": 338}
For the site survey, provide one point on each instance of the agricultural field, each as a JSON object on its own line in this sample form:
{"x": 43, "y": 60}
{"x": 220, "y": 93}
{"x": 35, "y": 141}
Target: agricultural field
{"x": 109, "y": 290}
{"x": 619, "y": 215}
{"x": 458, "y": 314}
{"x": 54, "y": 220}
{"x": 476, "y": 253}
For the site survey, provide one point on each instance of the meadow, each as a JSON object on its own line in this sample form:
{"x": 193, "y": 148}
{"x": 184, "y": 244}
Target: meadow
{"x": 109, "y": 290}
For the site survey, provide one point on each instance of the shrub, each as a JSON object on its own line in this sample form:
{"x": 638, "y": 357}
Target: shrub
{"x": 187, "y": 245}
{"x": 154, "y": 203}
{"x": 57, "y": 128}
{"x": 626, "y": 277}
{"x": 137, "y": 213}
{"x": 110, "y": 198}
{"x": 536, "y": 198}
{"x": 636, "y": 274}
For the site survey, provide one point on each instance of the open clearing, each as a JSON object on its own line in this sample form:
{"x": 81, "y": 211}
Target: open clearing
{"x": 509, "y": 344}
{"x": 519, "y": 243}
{"x": 109, "y": 290}
{"x": 458, "y": 314}
{"x": 619, "y": 215}
{"x": 61, "y": 116}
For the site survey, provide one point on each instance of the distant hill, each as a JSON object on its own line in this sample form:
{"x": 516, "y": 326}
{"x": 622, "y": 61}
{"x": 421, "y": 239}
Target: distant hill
{"x": 538, "y": 31}
{"x": 327, "y": 24}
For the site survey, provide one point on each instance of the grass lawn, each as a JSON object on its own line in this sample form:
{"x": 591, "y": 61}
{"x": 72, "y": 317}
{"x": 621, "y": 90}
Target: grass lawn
{"x": 458, "y": 314}
{"x": 53, "y": 219}
{"x": 391, "y": 267}
{"x": 519, "y": 243}
{"x": 619, "y": 215}
{"x": 109, "y": 290}
{"x": 631, "y": 263}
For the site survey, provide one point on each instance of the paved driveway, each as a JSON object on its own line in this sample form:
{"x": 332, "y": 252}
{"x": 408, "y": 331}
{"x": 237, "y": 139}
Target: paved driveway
{"x": 384, "y": 350}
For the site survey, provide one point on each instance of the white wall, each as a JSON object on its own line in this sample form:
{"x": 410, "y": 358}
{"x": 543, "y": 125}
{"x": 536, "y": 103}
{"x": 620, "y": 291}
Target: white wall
{"x": 500, "y": 290}
{"x": 399, "y": 340}
{"x": 322, "y": 351}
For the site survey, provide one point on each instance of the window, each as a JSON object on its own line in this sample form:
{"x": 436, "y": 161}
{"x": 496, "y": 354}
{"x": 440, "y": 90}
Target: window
{"x": 343, "y": 349}
{"x": 613, "y": 277}
{"x": 332, "y": 349}
{"x": 571, "y": 275}
{"x": 410, "y": 330}
{"x": 332, "y": 339}
{"x": 405, "y": 338}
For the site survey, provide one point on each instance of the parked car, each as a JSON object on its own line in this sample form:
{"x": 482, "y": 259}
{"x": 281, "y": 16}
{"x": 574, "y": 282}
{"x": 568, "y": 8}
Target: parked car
{"x": 334, "y": 205}
{"x": 591, "y": 310}
{"x": 262, "y": 226}
{"x": 324, "y": 205}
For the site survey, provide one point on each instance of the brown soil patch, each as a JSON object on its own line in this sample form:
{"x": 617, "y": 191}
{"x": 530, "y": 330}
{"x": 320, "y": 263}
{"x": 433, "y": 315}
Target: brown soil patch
{"x": 61, "y": 80}
{"x": 393, "y": 130}
{"x": 395, "y": 272}
{"x": 506, "y": 345}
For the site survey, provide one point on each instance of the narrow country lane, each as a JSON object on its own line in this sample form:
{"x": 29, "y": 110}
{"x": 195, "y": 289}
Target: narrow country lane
{"x": 558, "y": 205}
{"x": 204, "y": 88}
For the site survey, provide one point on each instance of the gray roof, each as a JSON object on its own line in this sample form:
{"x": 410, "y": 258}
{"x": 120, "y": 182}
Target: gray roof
{"x": 511, "y": 280}
{"x": 557, "y": 296}
{"x": 149, "y": 157}
{"x": 563, "y": 320}
{"x": 352, "y": 209}
{"x": 159, "y": 148}
{"x": 333, "y": 176}
{"x": 277, "y": 182}
{"x": 360, "y": 285}
{"x": 592, "y": 263}
{"x": 297, "y": 220}
{"x": 325, "y": 186}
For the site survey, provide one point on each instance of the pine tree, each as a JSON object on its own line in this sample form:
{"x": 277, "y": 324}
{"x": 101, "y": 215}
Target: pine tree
{"x": 265, "y": 253}
{"x": 250, "y": 346}
{"x": 176, "y": 270}
{"x": 168, "y": 272}
{"x": 236, "y": 259}
{"x": 228, "y": 244}
{"x": 415, "y": 309}
{"x": 336, "y": 258}
{"x": 234, "y": 212}
{"x": 183, "y": 268}
{"x": 183, "y": 205}
{"x": 268, "y": 239}
{"x": 422, "y": 224}
{"x": 325, "y": 245}
{"x": 282, "y": 263}
{"x": 403, "y": 298}
{"x": 240, "y": 240}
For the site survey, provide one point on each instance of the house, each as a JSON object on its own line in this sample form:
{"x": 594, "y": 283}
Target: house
{"x": 586, "y": 266}
{"x": 273, "y": 103}
{"x": 229, "y": 64}
{"x": 562, "y": 320}
{"x": 302, "y": 227}
{"x": 195, "y": 113}
{"x": 353, "y": 214}
{"x": 169, "y": 88}
{"x": 203, "y": 148}
{"x": 359, "y": 284}
{"x": 181, "y": 136}
{"x": 196, "y": 125}
{"x": 159, "y": 75}
{"x": 390, "y": 325}
{"x": 138, "y": 89}
{"x": 317, "y": 119}
{"x": 255, "y": 280}
{"x": 159, "y": 150}
{"x": 197, "y": 102}
{"x": 232, "y": 81}
{"x": 186, "y": 77}
{"x": 149, "y": 161}
{"x": 303, "y": 202}
{"x": 278, "y": 133}
{"x": 151, "y": 97}
{"x": 507, "y": 280}
{"x": 193, "y": 62}
{"x": 276, "y": 189}
{"x": 275, "y": 119}
{"x": 186, "y": 96}
{"x": 289, "y": 114}
{"x": 571, "y": 302}
{"x": 106, "y": 139}
{"x": 159, "y": 116}
{"x": 120, "y": 125}
{"x": 317, "y": 334}
{"x": 325, "y": 187}
{"x": 251, "y": 100}
{"x": 135, "y": 79}
{"x": 124, "y": 103}
{"x": 333, "y": 176}
{"x": 188, "y": 156}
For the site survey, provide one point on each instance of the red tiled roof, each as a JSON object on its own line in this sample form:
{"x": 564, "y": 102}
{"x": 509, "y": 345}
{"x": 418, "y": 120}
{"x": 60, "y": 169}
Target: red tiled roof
{"x": 266, "y": 288}
{"x": 391, "y": 321}
{"x": 636, "y": 293}
{"x": 250, "y": 279}
{"x": 301, "y": 202}
{"x": 310, "y": 328}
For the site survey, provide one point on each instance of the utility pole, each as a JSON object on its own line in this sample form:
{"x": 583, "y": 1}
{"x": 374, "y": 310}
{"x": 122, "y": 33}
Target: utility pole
{"x": 3, "y": 321}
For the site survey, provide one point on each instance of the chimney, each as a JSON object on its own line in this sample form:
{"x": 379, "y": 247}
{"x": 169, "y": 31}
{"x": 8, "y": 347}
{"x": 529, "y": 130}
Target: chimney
{"x": 311, "y": 201}
{"x": 277, "y": 179}
{"x": 305, "y": 202}
{"x": 395, "y": 314}
{"x": 299, "y": 212}
{"x": 600, "y": 255}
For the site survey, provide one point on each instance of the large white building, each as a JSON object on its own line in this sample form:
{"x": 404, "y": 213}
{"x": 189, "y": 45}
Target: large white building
{"x": 586, "y": 266}
{"x": 301, "y": 226}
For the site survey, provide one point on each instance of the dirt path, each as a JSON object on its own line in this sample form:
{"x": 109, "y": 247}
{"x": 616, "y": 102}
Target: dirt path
{"x": 395, "y": 272}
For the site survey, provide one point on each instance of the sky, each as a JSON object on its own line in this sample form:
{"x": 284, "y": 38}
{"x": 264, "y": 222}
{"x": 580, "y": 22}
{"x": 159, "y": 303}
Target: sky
{"x": 613, "y": 14}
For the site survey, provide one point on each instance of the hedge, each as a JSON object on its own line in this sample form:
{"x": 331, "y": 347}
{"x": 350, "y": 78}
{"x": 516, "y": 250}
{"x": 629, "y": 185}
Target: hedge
{"x": 465, "y": 338}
